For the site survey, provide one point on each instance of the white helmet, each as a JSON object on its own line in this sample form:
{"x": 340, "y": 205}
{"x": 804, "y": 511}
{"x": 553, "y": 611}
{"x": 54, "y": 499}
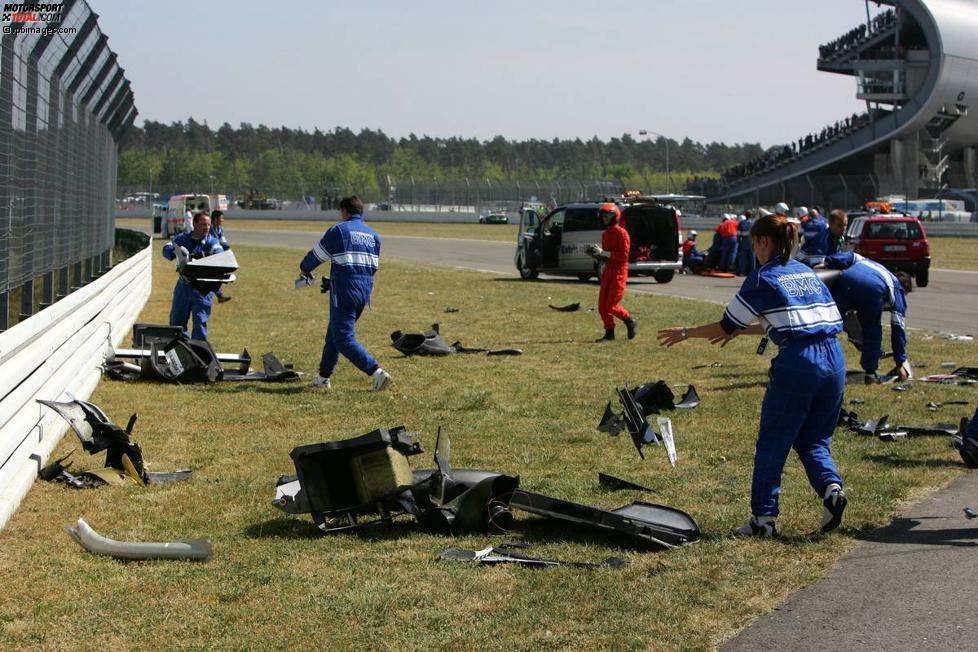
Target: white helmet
{"x": 802, "y": 211}
{"x": 741, "y": 217}
{"x": 781, "y": 208}
{"x": 691, "y": 234}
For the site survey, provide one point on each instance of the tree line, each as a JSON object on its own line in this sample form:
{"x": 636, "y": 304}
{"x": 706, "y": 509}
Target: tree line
{"x": 291, "y": 163}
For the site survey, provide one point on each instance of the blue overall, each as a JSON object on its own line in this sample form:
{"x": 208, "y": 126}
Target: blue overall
{"x": 807, "y": 377}
{"x": 192, "y": 299}
{"x": 869, "y": 288}
{"x": 745, "y": 255}
{"x": 728, "y": 262}
{"x": 353, "y": 249}
{"x": 713, "y": 253}
{"x": 816, "y": 232}
{"x": 972, "y": 429}
{"x": 218, "y": 233}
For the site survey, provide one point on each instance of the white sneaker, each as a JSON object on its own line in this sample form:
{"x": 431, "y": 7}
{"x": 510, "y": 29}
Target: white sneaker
{"x": 834, "y": 503}
{"x": 321, "y": 383}
{"x": 381, "y": 378}
{"x": 758, "y": 526}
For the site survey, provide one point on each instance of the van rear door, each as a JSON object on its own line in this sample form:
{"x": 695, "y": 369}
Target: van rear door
{"x": 654, "y": 232}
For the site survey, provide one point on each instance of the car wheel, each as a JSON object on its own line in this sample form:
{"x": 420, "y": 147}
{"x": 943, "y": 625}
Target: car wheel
{"x": 922, "y": 278}
{"x": 664, "y": 276}
{"x": 526, "y": 273}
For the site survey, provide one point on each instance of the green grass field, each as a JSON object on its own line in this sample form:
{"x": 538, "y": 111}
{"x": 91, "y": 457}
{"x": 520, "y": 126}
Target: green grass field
{"x": 498, "y": 232}
{"x": 276, "y": 583}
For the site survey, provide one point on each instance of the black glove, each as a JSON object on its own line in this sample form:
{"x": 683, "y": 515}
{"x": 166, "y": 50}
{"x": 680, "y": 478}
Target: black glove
{"x": 324, "y": 285}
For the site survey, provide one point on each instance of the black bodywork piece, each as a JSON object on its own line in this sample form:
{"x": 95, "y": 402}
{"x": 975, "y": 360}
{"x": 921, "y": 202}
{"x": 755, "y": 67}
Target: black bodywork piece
{"x": 661, "y": 526}
{"x": 98, "y": 434}
{"x": 611, "y": 422}
{"x": 634, "y": 418}
{"x": 430, "y": 342}
{"x": 637, "y": 404}
{"x": 170, "y": 356}
{"x": 690, "y": 399}
{"x": 612, "y": 483}
{"x": 852, "y": 421}
{"x": 570, "y": 307}
{"x": 966, "y": 372}
{"x": 501, "y": 555}
{"x": 344, "y": 480}
{"x": 347, "y": 479}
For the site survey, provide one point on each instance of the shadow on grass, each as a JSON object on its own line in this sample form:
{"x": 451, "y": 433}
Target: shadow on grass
{"x": 905, "y": 530}
{"x": 758, "y": 383}
{"x": 283, "y": 528}
{"x": 269, "y": 388}
{"x": 910, "y": 463}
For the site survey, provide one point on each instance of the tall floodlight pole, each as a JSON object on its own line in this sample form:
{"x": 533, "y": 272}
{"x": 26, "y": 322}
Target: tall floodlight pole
{"x": 646, "y": 132}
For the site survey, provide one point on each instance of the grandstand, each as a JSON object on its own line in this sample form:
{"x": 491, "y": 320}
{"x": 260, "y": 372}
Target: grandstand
{"x": 916, "y": 67}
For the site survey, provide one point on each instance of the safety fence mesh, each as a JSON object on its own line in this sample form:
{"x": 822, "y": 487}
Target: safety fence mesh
{"x": 64, "y": 104}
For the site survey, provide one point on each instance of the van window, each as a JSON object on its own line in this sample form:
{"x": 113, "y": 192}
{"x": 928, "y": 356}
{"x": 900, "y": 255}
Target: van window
{"x": 893, "y": 231}
{"x": 582, "y": 219}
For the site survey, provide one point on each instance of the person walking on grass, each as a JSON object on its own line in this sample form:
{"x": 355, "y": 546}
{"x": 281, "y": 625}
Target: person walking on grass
{"x": 784, "y": 299}
{"x": 192, "y": 298}
{"x": 613, "y": 252}
{"x": 353, "y": 250}
{"x": 217, "y": 230}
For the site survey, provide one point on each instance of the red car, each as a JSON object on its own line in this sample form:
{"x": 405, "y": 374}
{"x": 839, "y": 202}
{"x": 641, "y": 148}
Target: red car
{"x": 898, "y": 242}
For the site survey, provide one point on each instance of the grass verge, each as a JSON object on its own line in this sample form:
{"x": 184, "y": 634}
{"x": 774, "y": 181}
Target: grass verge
{"x": 276, "y": 583}
{"x": 496, "y": 232}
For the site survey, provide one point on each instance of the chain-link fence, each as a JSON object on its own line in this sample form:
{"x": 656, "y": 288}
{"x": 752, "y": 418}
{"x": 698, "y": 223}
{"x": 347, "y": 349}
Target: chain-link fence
{"x": 64, "y": 103}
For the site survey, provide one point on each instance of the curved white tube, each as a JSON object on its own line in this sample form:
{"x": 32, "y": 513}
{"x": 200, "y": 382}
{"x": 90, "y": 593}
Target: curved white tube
{"x": 95, "y": 543}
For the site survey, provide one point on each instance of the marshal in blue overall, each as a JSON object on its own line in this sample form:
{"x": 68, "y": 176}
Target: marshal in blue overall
{"x": 353, "y": 250}
{"x": 785, "y": 300}
{"x": 868, "y": 288}
{"x": 192, "y": 299}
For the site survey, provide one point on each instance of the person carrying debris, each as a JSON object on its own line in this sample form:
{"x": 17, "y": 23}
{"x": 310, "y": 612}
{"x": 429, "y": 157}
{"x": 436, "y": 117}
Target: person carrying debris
{"x": 807, "y": 377}
{"x": 868, "y": 288}
{"x": 192, "y": 298}
{"x": 353, "y": 249}
{"x": 217, "y": 230}
{"x": 613, "y": 252}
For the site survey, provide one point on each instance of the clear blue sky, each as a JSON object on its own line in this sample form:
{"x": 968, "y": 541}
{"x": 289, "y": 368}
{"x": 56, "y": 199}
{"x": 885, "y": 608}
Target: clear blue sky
{"x": 709, "y": 69}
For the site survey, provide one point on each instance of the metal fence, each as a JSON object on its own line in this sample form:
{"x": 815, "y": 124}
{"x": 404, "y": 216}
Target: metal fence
{"x": 64, "y": 104}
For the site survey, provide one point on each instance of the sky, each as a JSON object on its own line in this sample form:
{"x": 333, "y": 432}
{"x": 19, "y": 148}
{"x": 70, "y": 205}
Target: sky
{"x": 713, "y": 70}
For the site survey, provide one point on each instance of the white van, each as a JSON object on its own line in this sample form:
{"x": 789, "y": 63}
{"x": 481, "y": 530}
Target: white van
{"x": 176, "y": 211}
{"x": 557, "y": 243}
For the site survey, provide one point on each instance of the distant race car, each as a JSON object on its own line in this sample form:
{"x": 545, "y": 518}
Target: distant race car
{"x": 494, "y": 218}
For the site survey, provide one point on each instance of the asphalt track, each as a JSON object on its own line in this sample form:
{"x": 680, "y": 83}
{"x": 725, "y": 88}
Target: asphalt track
{"x": 948, "y": 304}
{"x": 910, "y": 585}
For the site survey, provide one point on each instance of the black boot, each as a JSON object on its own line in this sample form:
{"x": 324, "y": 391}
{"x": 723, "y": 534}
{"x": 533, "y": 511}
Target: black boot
{"x": 632, "y": 326}
{"x": 609, "y": 334}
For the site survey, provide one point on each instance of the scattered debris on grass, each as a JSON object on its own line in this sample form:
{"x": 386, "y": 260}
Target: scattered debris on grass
{"x": 430, "y": 342}
{"x": 570, "y": 307}
{"x": 491, "y": 556}
{"x": 123, "y": 457}
{"x": 612, "y": 483}
{"x": 95, "y": 543}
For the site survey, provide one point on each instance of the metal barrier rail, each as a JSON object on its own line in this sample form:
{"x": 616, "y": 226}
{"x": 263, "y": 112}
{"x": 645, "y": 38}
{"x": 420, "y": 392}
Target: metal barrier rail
{"x": 56, "y": 351}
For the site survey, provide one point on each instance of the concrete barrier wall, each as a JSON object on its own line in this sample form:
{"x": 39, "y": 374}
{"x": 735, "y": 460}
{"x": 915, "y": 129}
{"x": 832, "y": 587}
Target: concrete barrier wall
{"x": 59, "y": 351}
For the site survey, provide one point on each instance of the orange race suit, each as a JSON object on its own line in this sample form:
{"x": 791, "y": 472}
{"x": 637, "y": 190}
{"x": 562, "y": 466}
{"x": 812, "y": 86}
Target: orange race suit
{"x": 616, "y": 242}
